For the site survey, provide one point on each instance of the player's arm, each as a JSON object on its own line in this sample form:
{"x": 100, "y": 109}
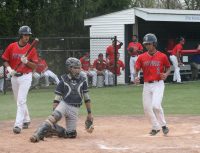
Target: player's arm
{"x": 9, "y": 69}
{"x": 178, "y": 56}
{"x": 137, "y": 69}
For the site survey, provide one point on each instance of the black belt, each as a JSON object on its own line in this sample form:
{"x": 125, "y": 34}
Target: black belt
{"x": 153, "y": 81}
{"x": 75, "y": 105}
{"x": 18, "y": 74}
{"x": 133, "y": 55}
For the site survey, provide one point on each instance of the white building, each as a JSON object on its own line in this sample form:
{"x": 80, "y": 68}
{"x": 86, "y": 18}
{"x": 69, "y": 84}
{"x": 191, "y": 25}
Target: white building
{"x": 165, "y": 23}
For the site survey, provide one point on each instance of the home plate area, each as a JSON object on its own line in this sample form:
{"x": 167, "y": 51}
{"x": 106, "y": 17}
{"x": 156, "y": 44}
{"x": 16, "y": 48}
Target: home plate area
{"x": 117, "y": 134}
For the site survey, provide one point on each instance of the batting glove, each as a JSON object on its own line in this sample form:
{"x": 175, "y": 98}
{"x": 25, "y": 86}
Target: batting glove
{"x": 24, "y": 59}
{"x": 11, "y": 71}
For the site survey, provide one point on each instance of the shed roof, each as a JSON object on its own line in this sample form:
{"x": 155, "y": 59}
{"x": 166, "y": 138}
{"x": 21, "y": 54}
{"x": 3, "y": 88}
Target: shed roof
{"x": 148, "y": 14}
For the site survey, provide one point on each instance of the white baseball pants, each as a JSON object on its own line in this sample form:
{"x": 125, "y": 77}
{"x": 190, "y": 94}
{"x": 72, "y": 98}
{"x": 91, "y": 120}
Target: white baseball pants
{"x": 109, "y": 78}
{"x": 92, "y": 74}
{"x": 152, "y": 99}
{"x": 20, "y": 87}
{"x": 132, "y": 70}
{"x": 176, "y": 76}
{"x": 49, "y": 73}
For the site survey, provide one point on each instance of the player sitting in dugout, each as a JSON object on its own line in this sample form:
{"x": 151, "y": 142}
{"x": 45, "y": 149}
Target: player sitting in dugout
{"x": 109, "y": 73}
{"x": 87, "y": 70}
{"x": 42, "y": 70}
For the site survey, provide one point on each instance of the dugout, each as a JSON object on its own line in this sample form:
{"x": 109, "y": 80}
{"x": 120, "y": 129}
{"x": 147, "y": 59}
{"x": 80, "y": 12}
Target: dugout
{"x": 167, "y": 24}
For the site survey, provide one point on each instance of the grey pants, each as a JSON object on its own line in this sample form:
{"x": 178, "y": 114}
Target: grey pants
{"x": 70, "y": 113}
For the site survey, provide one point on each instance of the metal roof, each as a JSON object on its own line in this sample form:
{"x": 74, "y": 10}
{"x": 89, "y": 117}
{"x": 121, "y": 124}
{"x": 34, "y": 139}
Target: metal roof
{"x": 149, "y": 14}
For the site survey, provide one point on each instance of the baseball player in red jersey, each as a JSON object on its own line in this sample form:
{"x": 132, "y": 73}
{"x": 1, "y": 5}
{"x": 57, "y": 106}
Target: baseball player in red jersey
{"x": 111, "y": 70}
{"x": 156, "y": 68}
{"x": 175, "y": 58}
{"x": 100, "y": 64}
{"x": 110, "y": 51}
{"x": 21, "y": 75}
{"x": 134, "y": 49}
{"x": 43, "y": 71}
{"x": 86, "y": 72}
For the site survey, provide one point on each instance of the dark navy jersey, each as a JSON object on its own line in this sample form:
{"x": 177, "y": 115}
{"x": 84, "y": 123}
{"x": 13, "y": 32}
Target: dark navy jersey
{"x": 72, "y": 90}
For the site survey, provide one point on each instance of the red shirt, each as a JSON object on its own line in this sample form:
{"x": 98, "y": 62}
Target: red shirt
{"x": 99, "y": 65}
{"x": 152, "y": 66}
{"x": 13, "y": 55}
{"x": 136, "y": 45}
{"x": 110, "y": 51}
{"x": 177, "y": 48}
{"x": 41, "y": 66}
{"x": 85, "y": 64}
{"x": 111, "y": 66}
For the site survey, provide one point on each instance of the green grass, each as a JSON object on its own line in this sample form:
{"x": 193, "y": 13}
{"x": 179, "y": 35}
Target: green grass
{"x": 121, "y": 100}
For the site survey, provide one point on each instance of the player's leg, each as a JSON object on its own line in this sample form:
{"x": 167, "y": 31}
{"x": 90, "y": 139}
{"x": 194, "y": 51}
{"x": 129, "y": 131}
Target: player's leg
{"x": 53, "y": 76}
{"x": 94, "y": 78}
{"x": 1, "y": 84}
{"x": 46, "y": 77}
{"x": 36, "y": 78}
{"x": 147, "y": 105}
{"x": 24, "y": 86}
{"x": 71, "y": 121}
{"x": 44, "y": 129}
{"x": 158, "y": 92}
{"x": 131, "y": 65}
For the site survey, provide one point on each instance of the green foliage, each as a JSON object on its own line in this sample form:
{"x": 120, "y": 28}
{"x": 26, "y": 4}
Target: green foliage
{"x": 120, "y": 100}
{"x": 53, "y": 17}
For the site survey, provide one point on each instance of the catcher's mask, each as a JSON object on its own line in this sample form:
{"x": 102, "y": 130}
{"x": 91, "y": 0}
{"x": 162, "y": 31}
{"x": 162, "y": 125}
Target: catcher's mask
{"x": 73, "y": 66}
{"x": 150, "y": 38}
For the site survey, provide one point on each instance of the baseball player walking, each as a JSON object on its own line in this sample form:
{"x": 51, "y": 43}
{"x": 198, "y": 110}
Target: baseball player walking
{"x": 156, "y": 68}
{"x": 21, "y": 75}
{"x": 134, "y": 49}
{"x": 70, "y": 92}
{"x": 175, "y": 58}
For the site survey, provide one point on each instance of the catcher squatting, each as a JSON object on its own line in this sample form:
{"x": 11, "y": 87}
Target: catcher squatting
{"x": 69, "y": 94}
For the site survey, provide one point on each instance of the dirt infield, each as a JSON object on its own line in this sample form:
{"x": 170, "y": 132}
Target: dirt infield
{"x": 126, "y": 134}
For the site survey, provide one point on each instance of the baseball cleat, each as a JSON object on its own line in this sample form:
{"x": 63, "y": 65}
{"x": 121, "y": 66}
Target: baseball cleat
{"x": 25, "y": 125}
{"x": 165, "y": 130}
{"x": 16, "y": 130}
{"x": 154, "y": 132}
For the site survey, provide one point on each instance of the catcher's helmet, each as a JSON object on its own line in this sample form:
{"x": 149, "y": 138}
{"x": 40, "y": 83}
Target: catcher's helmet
{"x": 24, "y": 30}
{"x": 72, "y": 62}
{"x": 150, "y": 38}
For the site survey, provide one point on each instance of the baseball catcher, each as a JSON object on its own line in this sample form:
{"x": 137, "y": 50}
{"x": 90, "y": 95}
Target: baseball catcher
{"x": 70, "y": 92}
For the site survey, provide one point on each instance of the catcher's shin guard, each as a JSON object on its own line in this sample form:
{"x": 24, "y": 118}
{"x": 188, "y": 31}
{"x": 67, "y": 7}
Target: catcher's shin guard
{"x": 41, "y": 132}
{"x": 56, "y": 130}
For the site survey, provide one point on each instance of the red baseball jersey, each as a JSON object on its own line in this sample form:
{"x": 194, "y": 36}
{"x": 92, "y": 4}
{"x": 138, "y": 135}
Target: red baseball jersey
{"x": 85, "y": 64}
{"x": 42, "y": 65}
{"x": 99, "y": 65}
{"x": 152, "y": 66}
{"x": 111, "y": 66}
{"x": 13, "y": 55}
{"x": 135, "y": 45}
{"x": 177, "y": 48}
{"x": 110, "y": 51}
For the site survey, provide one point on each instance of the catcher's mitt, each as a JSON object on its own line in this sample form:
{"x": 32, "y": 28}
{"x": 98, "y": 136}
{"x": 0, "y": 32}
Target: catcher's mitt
{"x": 89, "y": 126}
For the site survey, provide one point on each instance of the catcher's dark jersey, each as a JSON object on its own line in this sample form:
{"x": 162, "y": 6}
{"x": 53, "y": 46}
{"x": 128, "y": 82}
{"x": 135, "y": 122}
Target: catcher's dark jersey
{"x": 72, "y": 90}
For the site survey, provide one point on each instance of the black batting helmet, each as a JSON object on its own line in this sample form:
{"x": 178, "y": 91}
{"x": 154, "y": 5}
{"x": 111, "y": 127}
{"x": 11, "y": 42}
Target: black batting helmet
{"x": 24, "y": 30}
{"x": 150, "y": 38}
